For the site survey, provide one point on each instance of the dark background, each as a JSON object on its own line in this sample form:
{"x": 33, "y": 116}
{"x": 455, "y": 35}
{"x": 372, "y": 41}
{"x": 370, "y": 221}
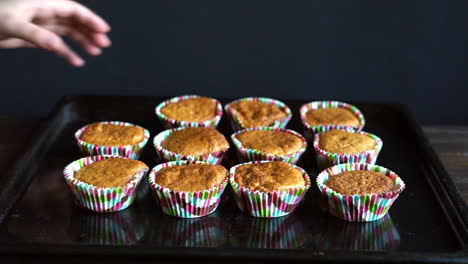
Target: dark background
{"x": 412, "y": 52}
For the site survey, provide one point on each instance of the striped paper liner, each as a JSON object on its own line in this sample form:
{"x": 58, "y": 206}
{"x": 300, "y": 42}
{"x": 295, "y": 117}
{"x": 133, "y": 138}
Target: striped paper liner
{"x": 100, "y": 199}
{"x": 172, "y": 123}
{"x": 359, "y": 207}
{"x": 247, "y": 154}
{"x": 379, "y": 235}
{"x": 186, "y": 204}
{"x": 326, "y": 159}
{"x": 267, "y": 204}
{"x": 236, "y": 123}
{"x": 128, "y": 151}
{"x": 309, "y": 130}
{"x": 167, "y": 155}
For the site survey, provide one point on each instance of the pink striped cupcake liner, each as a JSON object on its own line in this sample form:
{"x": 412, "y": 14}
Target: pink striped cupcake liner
{"x": 310, "y": 131}
{"x": 237, "y": 125}
{"x": 128, "y": 151}
{"x": 326, "y": 159}
{"x": 167, "y": 155}
{"x": 99, "y": 199}
{"x": 246, "y": 154}
{"x": 267, "y": 204}
{"x": 186, "y": 204}
{"x": 359, "y": 207}
{"x": 172, "y": 123}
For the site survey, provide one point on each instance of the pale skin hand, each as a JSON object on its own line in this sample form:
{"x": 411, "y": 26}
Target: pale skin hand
{"x": 41, "y": 23}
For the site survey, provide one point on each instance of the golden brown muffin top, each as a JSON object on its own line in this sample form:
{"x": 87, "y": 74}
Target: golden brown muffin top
{"x": 197, "y": 109}
{"x": 110, "y": 172}
{"x": 332, "y": 116}
{"x": 195, "y": 141}
{"x": 343, "y": 142}
{"x": 269, "y": 176}
{"x": 112, "y": 135}
{"x": 271, "y": 142}
{"x": 359, "y": 182}
{"x": 191, "y": 177}
{"x": 257, "y": 114}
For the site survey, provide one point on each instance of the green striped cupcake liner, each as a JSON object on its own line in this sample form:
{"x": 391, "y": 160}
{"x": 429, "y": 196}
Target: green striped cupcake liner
{"x": 128, "y": 151}
{"x": 186, "y": 204}
{"x": 247, "y": 154}
{"x": 236, "y": 123}
{"x": 310, "y": 131}
{"x": 167, "y": 155}
{"x": 267, "y": 204}
{"x": 172, "y": 123}
{"x": 359, "y": 207}
{"x": 100, "y": 199}
{"x": 327, "y": 159}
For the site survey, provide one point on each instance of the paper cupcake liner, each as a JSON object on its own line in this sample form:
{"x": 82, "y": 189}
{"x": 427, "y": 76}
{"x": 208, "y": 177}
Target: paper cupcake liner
{"x": 310, "y": 131}
{"x": 172, "y": 123}
{"x": 128, "y": 151}
{"x": 236, "y": 124}
{"x": 246, "y": 154}
{"x": 167, "y": 155}
{"x": 326, "y": 159}
{"x": 379, "y": 235}
{"x": 267, "y": 204}
{"x": 99, "y": 199}
{"x": 186, "y": 204}
{"x": 359, "y": 207}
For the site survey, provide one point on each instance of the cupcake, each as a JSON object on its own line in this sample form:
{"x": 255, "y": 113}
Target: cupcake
{"x": 322, "y": 116}
{"x": 257, "y": 112}
{"x": 268, "y": 188}
{"x": 191, "y": 143}
{"x": 188, "y": 189}
{"x": 338, "y": 146}
{"x": 112, "y": 138}
{"x": 359, "y": 192}
{"x": 267, "y": 143}
{"x": 190, "y": 111}
{"x": 104, "y": 183}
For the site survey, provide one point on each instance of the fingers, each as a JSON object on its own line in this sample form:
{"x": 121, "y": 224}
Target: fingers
{"x": 14, "y": 43}
{"x": 42, "y": 38}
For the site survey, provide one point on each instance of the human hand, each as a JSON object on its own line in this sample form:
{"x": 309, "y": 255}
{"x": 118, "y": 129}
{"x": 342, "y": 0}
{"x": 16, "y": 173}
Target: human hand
{"x": 40, "y": 23}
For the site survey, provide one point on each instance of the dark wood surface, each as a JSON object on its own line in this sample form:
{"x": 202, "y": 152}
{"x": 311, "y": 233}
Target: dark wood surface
{"x": 449, "y": 142}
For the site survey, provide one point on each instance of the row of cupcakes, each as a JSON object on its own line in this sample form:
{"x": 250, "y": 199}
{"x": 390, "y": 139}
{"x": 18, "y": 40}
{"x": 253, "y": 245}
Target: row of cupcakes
{"x": 265, "y": 189}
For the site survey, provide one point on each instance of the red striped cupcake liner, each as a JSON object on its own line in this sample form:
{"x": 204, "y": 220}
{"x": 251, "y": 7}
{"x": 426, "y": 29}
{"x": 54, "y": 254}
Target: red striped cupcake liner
{"x": 359, "y": 207}
{"x": 128, "y": 151}
{"x": 100, "y": 199}
{"x": 167, "y": 155}
{"x": 310, "y": 131}
{"x": 327, "y": 159}
{"x": 186, "y": 204}
{"x": 236, "y": 123}
{"x": 172, "y": 123}
{"x": 267, "y": 204}
{"x": 247, "y": 154}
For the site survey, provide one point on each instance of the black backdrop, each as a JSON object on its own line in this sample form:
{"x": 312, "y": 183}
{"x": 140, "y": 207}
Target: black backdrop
{"x": 413, "y": 52}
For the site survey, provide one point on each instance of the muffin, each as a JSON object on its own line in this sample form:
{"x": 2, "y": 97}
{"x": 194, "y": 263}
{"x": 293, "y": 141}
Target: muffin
{"x": 104, "y": 183}
{"x": 190, "y": 111}
{"x": 335, "y": 146}
{"x": 321, "y": 116}
{"x": 253, "y": 112}
{"x": 359, "y": 192}
{"x": 112, "y": 138}
{"x": 188, "y": 189}
{"x": 267, "y": 143}
{"x": 191, "y": 143}
{"x": 268, "y": 188}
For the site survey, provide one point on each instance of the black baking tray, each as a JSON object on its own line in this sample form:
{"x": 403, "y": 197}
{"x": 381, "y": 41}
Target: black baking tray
{"x": 39, "y": 220}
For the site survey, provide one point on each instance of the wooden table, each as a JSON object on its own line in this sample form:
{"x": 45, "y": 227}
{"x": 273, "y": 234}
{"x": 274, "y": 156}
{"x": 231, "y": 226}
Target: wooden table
{"x": 450, "y": 143}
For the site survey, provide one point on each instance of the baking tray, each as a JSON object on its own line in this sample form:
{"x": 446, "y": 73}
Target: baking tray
{"x": 39, "y": 220}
